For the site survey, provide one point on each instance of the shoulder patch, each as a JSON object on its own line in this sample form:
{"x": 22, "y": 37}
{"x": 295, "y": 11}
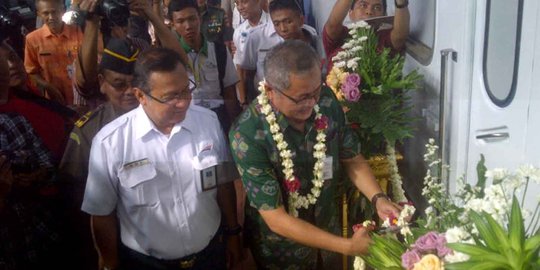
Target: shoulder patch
{"x": 84, "y": 119}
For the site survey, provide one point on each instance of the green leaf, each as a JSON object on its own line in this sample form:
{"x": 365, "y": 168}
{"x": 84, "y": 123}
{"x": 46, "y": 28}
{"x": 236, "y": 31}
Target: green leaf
{"x": 475, "y": 265}
{"x": 490, "y": 231}
{"x": 532, "y": 243}
{"x": 479, "y": 253}
{"x": 516, "y": 228}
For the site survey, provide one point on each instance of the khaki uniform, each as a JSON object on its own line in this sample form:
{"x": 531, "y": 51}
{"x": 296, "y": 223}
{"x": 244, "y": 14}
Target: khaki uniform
{"x": 73, "y": 171}
{"x": 74, "y": 164}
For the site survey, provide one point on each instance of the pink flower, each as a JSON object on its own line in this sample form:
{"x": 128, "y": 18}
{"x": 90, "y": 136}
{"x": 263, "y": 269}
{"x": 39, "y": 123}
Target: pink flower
{"x": 321, "y": 123}
{"x": 356, "y": 227}
{"x": 427, "y": 242}
{"x": 442, "y": 249}
{"x": 353, "y": 79}
{"x": 292, "y": 185}
{"x": 409, "y": 258}
{"x": 350, "y": 92}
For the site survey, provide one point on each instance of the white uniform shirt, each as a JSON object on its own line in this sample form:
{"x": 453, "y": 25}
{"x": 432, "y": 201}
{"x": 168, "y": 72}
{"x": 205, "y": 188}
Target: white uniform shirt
{"x": 206, "y": 76}
{"x": 259, "y": 43}
{"x": 154, "y": 181}
{"x": 242, "y": 32}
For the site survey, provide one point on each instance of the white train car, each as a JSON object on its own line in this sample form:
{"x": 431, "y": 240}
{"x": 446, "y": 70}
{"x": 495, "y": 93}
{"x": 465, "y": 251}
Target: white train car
{"x": 481, "y": 89}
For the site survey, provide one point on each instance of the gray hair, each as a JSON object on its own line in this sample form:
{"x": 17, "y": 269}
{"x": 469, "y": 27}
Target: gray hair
{"x": 291, "y": 56}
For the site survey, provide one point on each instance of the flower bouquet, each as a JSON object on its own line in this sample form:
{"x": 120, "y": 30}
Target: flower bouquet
{"x": 372, "y": 89}
{"x": 479, "y": 227}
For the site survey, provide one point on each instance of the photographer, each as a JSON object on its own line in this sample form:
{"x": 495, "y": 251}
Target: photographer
{"x": 86, "y": 72}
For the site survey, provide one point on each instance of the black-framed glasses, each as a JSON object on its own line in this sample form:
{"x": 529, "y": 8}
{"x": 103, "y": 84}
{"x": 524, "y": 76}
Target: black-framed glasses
{"x": 171, "y": 100}
{"x": 315, "y": 95}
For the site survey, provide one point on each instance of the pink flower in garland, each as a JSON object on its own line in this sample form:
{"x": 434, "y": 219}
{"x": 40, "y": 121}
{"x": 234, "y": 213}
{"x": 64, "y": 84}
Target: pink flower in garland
{"x": 321, "y": 123}
{"x": 292, "y": 185}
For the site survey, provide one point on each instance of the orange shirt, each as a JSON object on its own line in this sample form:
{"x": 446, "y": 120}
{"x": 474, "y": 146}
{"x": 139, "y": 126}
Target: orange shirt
{"x": 52, "y": 56}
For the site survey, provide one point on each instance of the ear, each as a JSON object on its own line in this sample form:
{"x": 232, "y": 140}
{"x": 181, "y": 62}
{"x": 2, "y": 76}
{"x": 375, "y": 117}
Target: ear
{"x": 101, "y": 80}
{"x": 141, "y": 97}
{"x": 269, "y": 91}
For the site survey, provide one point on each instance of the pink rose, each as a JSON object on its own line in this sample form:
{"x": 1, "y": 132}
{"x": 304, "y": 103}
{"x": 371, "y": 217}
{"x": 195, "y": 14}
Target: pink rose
{"x": 353, "y": 79}
{"x": 321, "y": 123}
{"x": 409, "y": 258}
{"x": 351, "y": 93}
{"x": 292, "y": 185}
{"x": 427, "y": 242}
{"x": 442, "y": 249}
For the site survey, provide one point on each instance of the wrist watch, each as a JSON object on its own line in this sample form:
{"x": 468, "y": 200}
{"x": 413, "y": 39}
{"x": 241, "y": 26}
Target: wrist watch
{"x": 404, "y": 5}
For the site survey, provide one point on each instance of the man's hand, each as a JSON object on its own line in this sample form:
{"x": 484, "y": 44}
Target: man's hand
{"x": 88, "y": 5}
{"x": 360, "y": 241}
{"x": 53, "y": 93}
{"x": 234, "y": 251}
{"x": 386, "y": 208}
{"x": 140, "y": 7}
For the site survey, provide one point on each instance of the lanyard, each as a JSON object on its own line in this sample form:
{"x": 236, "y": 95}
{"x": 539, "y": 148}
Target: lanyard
{"x": 196, "y": 71}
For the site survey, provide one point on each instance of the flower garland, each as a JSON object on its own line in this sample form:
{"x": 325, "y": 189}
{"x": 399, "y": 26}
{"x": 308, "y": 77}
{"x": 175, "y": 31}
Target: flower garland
{"x": 395, "y": 178}
{"x": 297, "y": 201}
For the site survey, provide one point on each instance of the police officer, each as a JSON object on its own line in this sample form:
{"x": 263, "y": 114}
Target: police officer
{"x": 116, "y": 69}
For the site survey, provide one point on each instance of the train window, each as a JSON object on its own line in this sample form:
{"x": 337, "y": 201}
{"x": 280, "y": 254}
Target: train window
{"x": 422, "y": 30}
{"x": 501, "y": 49}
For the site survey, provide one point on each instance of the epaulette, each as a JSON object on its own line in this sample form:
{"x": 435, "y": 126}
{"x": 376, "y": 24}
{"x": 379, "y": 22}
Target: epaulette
{"x": 84, "y": 119}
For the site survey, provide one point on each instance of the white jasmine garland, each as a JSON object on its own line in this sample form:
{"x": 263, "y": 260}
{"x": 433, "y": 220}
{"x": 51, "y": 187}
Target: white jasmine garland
{"x": 296, "y": 201}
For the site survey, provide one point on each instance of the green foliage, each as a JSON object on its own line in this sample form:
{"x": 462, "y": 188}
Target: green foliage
{"x": 383, "y": 110}
{"x": 498, "y": 247}
{"x": 385, "y": 252}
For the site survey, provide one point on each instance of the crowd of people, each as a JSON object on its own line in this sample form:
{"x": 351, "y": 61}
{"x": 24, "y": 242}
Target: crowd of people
{"x": 174, "y": 134}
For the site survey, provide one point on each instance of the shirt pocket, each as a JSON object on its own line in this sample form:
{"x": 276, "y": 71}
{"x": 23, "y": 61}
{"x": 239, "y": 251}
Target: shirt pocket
{"x": 139, "y": 185}
{"x": 211, "y": 73}
{"x": 205, "y": 169}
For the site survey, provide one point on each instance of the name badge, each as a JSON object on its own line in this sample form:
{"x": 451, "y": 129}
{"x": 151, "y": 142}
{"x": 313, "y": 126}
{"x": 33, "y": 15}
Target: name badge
{"x": 208, "y": 178}
{"x": 328, "y": 172}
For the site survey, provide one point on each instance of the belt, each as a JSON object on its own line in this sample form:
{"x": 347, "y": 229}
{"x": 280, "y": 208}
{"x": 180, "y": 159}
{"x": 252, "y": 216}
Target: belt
{"x": 186, "y": 262}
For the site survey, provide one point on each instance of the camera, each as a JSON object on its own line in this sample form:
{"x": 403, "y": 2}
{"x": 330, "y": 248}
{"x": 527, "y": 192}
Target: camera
{"x": 10, "y": 23}
{"x": 115, "y": 11}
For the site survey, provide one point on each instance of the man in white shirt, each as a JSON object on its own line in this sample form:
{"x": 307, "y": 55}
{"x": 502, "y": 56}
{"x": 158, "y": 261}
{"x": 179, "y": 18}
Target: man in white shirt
{"x": 209, "y": 65}
{"x": 287, "y": 24}
{"x": 159, "y": 172}
{"x": 254, "y": 17}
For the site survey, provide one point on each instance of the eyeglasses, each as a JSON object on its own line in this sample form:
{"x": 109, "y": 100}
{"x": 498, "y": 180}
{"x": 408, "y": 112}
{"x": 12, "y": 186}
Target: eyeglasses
{"x": 172, "y": 100}
{"x": 315, "y": 96}
{"x": 119, "y": 85}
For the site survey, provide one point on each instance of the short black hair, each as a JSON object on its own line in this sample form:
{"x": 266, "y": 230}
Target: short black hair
{"x": 154, "y": 60}
{"x": 179, "y": 5}
{"x": 61, "y": 2}
{"x": 285, "y": 4}
{"x": 383, "y": 4}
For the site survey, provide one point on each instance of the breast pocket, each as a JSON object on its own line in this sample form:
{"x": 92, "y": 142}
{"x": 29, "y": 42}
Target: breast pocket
{"x": 211, "y": 73}
{"x": 139, "y": 185}
{"x": 204, "y": 165}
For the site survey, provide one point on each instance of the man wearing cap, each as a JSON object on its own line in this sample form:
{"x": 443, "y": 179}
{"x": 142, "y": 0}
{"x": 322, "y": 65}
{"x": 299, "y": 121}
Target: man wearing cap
{"x": 116, "y": 69}
{"x": 86, "y": 71}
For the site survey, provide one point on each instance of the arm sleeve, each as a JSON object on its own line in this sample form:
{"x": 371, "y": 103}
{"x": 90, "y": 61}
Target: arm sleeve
{"x": 101, "y": 193}
{"x": 258, "y": 176}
